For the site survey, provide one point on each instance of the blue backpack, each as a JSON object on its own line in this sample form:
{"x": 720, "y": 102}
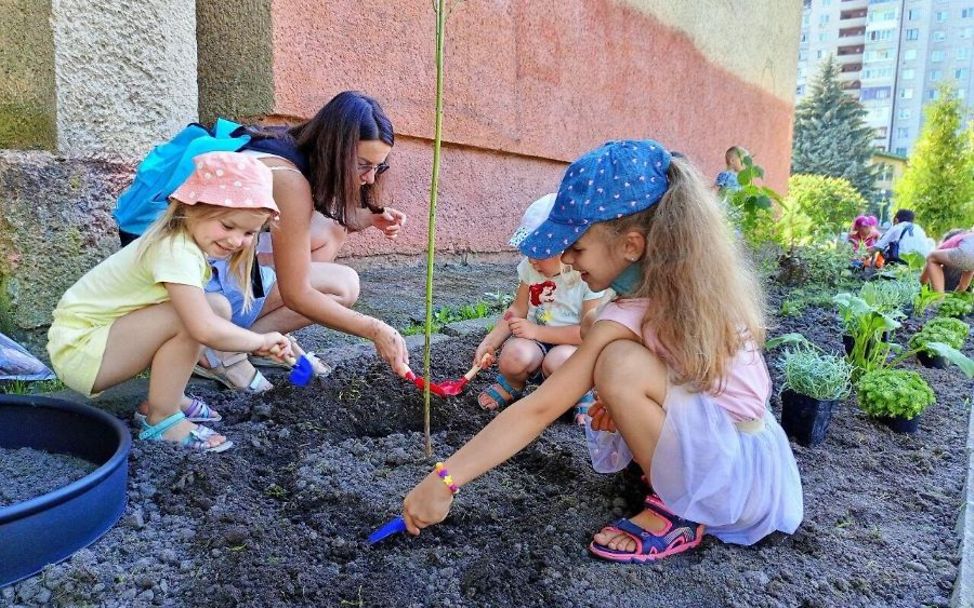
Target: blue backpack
{"x": 166, "y": 167}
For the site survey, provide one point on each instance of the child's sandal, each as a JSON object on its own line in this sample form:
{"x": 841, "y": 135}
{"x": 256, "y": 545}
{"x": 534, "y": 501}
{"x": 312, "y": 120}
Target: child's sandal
{"x": 678, "y": 536}
{"x": 494, "y": 392}
{"x": 197, "y": 411}
{"x": 197, "y": 439}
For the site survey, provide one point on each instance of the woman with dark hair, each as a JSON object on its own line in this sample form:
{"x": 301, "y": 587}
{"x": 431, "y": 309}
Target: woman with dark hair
{"x": 327, "y": 183}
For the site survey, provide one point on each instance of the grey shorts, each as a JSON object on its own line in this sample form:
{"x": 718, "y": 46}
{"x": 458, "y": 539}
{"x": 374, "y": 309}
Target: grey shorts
{"x": 962, "y": 256}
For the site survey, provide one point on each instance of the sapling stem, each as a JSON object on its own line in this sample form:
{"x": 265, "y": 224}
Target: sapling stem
{"x": 440, "y": 9}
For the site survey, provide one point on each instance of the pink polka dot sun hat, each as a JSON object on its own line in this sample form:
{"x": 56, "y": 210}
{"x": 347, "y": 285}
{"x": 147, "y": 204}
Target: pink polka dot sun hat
{"x": 229, "y": 179}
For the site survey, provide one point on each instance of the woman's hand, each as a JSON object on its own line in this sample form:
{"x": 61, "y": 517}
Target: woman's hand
{"x": 427, "y": 504}
{"x": 522, "y": 328}
{"x": 389, "y": 222}
{"x": 391, "y": 347}
{"x": 274, "y": 344}
{"x": 601, "y": 419}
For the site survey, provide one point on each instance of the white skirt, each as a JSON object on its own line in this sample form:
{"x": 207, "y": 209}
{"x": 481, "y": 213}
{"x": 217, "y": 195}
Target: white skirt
{"x": 739, "y": 480}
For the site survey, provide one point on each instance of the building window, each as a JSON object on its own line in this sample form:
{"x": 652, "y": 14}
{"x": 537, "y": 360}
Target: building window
{"x": 880, "y": 35}
{"x": 966, "y": 13}
{"x": 936, "y": 75}
{"x": 936, "y": 56}
{"x": 901, "y": 151}
{"x": 908, "y": 74}
{"x": 906, "y": 94}
{"x": 909, "y": 54}
{"x": 939, "y": 36}
{"x": 819, "y": 53}
{"x": 913, "y": 34}
{"x": 967, "y": 32}
{"x": 902, "y": 133}
{"x": 933, "y": 94}
{"x": 941, "y": 16}
{"x": 823, "y": 36}
{"x": 913, "y": 14}
{"x": 961, "y": 73}
{"x": 800, "y": 90}
{"x": 905, "y": 114}
{"x": 963, "y": 54}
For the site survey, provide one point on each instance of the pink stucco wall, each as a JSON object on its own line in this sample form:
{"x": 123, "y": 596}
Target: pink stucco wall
{"x": 528, "y": 88}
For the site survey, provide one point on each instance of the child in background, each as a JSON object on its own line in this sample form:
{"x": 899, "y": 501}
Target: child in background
{"x": 863, "y": 235}
{"x": 540, "y": 329}
{"x": 145, "y": 307}
{"x": 726, "y": 181}
{"x": 677, "y": 365}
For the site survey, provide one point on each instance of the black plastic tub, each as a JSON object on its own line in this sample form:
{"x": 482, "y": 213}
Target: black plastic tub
{"x": 805, "y": 418}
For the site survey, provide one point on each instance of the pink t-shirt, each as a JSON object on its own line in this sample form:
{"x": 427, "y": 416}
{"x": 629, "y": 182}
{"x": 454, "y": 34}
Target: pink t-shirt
{"x": 745, "y": 389}
{"x": 954, "y": 241}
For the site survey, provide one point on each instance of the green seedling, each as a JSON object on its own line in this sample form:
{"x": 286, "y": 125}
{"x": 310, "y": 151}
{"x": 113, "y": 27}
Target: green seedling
{"x": 894, "y": 392}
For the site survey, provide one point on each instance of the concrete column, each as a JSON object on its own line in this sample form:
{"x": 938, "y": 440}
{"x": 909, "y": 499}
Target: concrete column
{"x": 27, "y": 102}
{"x": 125, "y": 73}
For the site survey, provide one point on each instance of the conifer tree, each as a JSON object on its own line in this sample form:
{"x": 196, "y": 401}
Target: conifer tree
{"x": 938, "y": 184}
{"x": 831, "y": 135}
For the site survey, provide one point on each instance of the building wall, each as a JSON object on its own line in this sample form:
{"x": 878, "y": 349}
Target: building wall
{"x": 529, "y": 86}
{"x": 533, "y": 85}
{"x": 910, "y": 48}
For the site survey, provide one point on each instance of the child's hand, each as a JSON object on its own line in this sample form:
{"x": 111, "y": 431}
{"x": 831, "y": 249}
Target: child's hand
{"x": 601, "y": 419}
{"x": 275, "y": 345}
{"x": 427, "y": 504}
{"x": 484, "y": 357}
{"x": 522, "y": 328}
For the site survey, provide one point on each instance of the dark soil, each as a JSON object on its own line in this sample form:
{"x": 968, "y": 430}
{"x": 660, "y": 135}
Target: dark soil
{"x": 281, "y": 519}
{"x": 26, "y": 473}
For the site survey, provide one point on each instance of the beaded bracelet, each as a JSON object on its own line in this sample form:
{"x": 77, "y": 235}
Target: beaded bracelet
{"x": 445, "y": 476}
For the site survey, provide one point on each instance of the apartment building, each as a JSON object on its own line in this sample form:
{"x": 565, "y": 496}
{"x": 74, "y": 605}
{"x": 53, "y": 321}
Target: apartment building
{"x": 893, "y": 55}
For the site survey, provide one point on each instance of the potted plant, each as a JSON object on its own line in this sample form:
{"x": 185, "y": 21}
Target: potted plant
{"x": 865, "y": 327}
{"x": 945, "y": 330}
{"x": 895, "y": 397}
{"x": 955, "y": 305}
{"x": 891, "y": 297}
{"x": 815, "y": 381}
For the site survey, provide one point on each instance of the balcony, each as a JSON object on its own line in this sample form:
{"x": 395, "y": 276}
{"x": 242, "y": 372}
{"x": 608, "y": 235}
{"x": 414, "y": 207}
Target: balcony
{"x": 851, "y": 67}
{"x": 851, "y": 85}
{"x": 850, "y": 52}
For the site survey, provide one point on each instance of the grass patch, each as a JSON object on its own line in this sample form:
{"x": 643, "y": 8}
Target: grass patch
{"x": 31, "y": 387}
{"x": 494, "y": 303}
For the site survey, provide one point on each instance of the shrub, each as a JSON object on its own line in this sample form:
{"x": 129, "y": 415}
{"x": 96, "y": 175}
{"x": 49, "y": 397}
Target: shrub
{"x": 827, "y": 202}
{"x": 894, "y": 392}
{"x": 816, "y": 374}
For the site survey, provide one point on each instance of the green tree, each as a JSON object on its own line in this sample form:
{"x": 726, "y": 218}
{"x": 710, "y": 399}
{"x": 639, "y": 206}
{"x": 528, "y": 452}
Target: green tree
{"x": 831, "y": 135}
{"x": 938, "y": 184}
{"x": 830, "y": 203}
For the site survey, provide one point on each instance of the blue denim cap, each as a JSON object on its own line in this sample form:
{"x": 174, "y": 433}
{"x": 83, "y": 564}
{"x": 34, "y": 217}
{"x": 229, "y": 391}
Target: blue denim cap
{"x": 618, "y": 179}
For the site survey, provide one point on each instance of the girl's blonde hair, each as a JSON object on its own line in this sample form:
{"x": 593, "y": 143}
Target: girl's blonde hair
{"x": 706, "y": 301}
{"x": 175, "y": 221}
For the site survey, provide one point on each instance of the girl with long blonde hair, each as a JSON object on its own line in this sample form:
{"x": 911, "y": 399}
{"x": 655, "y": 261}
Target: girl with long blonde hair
{"x": 676, "y": 361}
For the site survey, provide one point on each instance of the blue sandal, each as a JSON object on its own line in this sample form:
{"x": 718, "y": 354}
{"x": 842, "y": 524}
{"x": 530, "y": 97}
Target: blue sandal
{"x": 678, "y": 536}
{"x": 499, "y": 400}
{"x": 197, "y": 439}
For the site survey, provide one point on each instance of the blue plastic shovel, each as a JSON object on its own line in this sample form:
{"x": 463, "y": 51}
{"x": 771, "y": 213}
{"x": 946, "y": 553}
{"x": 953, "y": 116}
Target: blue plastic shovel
{"x": 301, "y": 371}
{"x": 393, "y": 526}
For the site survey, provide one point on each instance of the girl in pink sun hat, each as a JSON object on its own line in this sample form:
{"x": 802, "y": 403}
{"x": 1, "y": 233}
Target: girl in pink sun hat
{"x": 144, "y": 306}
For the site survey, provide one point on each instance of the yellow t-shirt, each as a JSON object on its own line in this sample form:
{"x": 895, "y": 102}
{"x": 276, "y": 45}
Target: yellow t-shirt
{"x": 117, "y": 286}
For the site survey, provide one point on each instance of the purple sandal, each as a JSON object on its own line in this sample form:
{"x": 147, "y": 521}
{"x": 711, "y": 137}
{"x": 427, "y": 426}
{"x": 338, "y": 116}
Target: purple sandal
{"x": 678, "y": 536}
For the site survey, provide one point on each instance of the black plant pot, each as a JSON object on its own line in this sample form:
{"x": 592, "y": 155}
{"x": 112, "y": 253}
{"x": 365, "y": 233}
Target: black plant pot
{"x": 804, "y": 418}
{"x": 900, "y": 424}
{"x": 935, "y": 361}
